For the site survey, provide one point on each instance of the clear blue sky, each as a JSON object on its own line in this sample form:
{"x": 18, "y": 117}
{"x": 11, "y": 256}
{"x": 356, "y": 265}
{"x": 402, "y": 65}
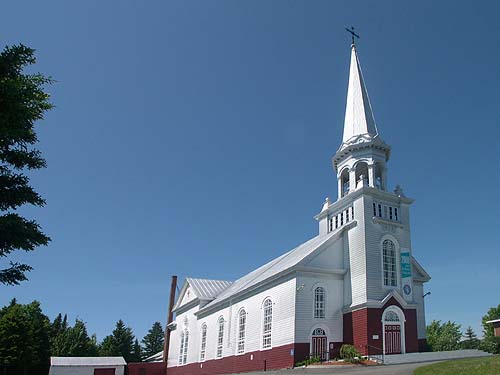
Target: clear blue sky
{"x": 194, "y": 138}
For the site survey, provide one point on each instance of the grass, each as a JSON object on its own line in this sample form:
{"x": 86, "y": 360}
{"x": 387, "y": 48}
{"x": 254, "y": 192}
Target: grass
{"x": 474, "y": 366}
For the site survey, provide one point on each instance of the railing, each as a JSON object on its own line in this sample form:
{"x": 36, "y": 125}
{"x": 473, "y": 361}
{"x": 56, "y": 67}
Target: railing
{"x": 340, "y": 218}
{"x": 378, "y": 357}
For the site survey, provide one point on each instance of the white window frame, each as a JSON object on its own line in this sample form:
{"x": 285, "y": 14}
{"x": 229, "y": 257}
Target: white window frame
{"x": 220, "y": 337}
{"x": 267, "y": 324}
{"x": 203, "y": 344}
{"x": 242, "y": 325}
{"x": 183, "y": 350}
{"x": 393, "y": 282}
{"x": 319, "y": 307}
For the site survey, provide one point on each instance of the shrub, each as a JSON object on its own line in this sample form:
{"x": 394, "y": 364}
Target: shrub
{"x": 491, "y": 345}
{"x": 308, "y": 362}
{"x": 443, "y": 336}
{"x": 349, "y": 353}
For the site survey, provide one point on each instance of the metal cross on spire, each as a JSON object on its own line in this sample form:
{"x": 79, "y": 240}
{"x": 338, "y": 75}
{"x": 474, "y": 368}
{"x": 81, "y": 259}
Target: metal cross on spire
{"x": 353, "y": 34}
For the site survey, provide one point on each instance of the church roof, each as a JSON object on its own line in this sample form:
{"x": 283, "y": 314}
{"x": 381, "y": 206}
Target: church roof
{"x": 203, "y": 290}
{"x": 359, "y": 118}
{"x": 276, "y": 266}
{"x": 207, "y": 289}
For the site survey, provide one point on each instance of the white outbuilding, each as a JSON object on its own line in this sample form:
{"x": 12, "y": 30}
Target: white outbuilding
{"x": 87, "y": 366}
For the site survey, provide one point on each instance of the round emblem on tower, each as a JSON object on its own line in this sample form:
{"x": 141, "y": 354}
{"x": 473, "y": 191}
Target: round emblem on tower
{"x": 407, "y": 289}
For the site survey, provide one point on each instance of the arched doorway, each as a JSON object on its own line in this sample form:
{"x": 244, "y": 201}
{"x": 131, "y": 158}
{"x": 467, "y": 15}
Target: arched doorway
{"x": 319, "y": 346}
{"x": 393, "y": 320}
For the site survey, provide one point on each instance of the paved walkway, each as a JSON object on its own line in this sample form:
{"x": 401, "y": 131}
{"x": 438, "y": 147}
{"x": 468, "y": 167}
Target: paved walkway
{"x": 433, "y": 356}
{"x": 396, "y": 364}
{"x": 404, "y": 369}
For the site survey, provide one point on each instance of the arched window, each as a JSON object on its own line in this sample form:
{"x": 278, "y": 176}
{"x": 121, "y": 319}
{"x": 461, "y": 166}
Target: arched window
{"x": 319, "y": 332}
{"x": 391, "y": 316}
{"x": 389, "y": 263}
{"x": 319, "y": 302}
{"x": 361, "y": 172}
{"x": 220, "y": 337}
{"x": 267, "y": 324}
{"x": 379, "y": 180}
{"x": 242, "y": 322}
{"x": 344, "y": 182}
{"x": 184, "y": 347}
{"x": 203, "y": 346}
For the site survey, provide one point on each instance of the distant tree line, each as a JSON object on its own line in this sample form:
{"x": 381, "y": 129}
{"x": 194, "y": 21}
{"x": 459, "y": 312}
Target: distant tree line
{"x": 28, "y": 339}
{"x": 448, "y": 335}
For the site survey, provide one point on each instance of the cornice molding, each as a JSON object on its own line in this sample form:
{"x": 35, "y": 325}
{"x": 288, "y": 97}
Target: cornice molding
{"x": 348, "y": 199}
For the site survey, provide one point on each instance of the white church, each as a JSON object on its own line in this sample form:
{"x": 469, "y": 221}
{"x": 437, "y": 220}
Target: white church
{"x": 356, "y": 282}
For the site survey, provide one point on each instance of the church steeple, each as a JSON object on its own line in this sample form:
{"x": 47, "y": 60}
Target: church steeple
{"x": 358, "y": 112}
{"x": 362, "y": 156}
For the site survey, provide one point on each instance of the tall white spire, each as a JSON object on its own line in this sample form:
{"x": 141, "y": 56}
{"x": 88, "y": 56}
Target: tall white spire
{"x": 358, "y": 112}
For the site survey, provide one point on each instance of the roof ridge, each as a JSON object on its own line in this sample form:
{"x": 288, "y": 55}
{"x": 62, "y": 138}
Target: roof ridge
{"x": 306, "y": 248}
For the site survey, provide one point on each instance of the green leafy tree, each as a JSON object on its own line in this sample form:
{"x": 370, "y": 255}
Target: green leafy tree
{"x": 492, "y": 314}
{"x": 491, "y": 345}
{"x": 74, "y": 342}
{"x": 136, "y": 352}
{"x": 24, "y": 339}
{"x": 119, "y": 343}
{"x": 107, "y": 348}
{"x": 23, "y": 101}
{"x": 471, "y": 341}
{"x": 444, "y": 336}
{"x": 59, "y": 325}
{"x": 56, "y": 325}
{"x": 153, "y": 341}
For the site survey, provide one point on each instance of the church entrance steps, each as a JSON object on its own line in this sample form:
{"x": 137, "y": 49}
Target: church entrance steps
{"x": 433, "y": 356}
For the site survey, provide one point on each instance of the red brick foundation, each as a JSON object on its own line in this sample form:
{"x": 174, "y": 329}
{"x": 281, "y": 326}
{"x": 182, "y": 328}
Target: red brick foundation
{"x": 275, "y": 358}
{"x": 422, "y": 345}
{"x": 146, "y": 368}
{"x": 301, "y": 352}
{"x": 361, "y": 325}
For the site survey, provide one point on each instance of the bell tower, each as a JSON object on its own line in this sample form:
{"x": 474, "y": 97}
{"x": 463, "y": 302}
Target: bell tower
{"x": 383, "y": 283}
{"x": 361, "y": 158}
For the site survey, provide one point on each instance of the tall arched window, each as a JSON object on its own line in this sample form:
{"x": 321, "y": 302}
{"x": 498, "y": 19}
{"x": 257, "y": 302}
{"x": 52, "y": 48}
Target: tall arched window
{"x": 203, "y": 346}
{"x": 242, "y": 322}
{"x": 344, "y": 182}
{"x": 267, "y": 324}
{"x": 389, "y": 263}
{"x": 184, "y": 347}
{"x": 319, "y": 302}
{"x": 220, "y": 336}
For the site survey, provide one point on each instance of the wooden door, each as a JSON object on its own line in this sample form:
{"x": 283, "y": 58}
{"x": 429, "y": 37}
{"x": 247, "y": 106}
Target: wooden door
{"x": 319, "y": 348}
{"x": 392, "y": 339}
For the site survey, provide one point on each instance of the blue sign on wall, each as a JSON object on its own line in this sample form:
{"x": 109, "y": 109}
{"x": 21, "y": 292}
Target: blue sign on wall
{"x": 405, "y": 264}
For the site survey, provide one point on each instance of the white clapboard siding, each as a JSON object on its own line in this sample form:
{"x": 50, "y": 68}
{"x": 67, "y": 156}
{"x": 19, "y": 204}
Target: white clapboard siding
{"x": 304, "y": 309}
{"x": 282, "y": 294}
{"x": 375, "y": 232}
{"x": 357, "y": 254}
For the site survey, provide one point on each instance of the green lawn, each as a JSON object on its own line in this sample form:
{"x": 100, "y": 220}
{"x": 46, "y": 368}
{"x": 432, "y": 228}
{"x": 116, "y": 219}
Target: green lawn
{"x": 475, "y": 366}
